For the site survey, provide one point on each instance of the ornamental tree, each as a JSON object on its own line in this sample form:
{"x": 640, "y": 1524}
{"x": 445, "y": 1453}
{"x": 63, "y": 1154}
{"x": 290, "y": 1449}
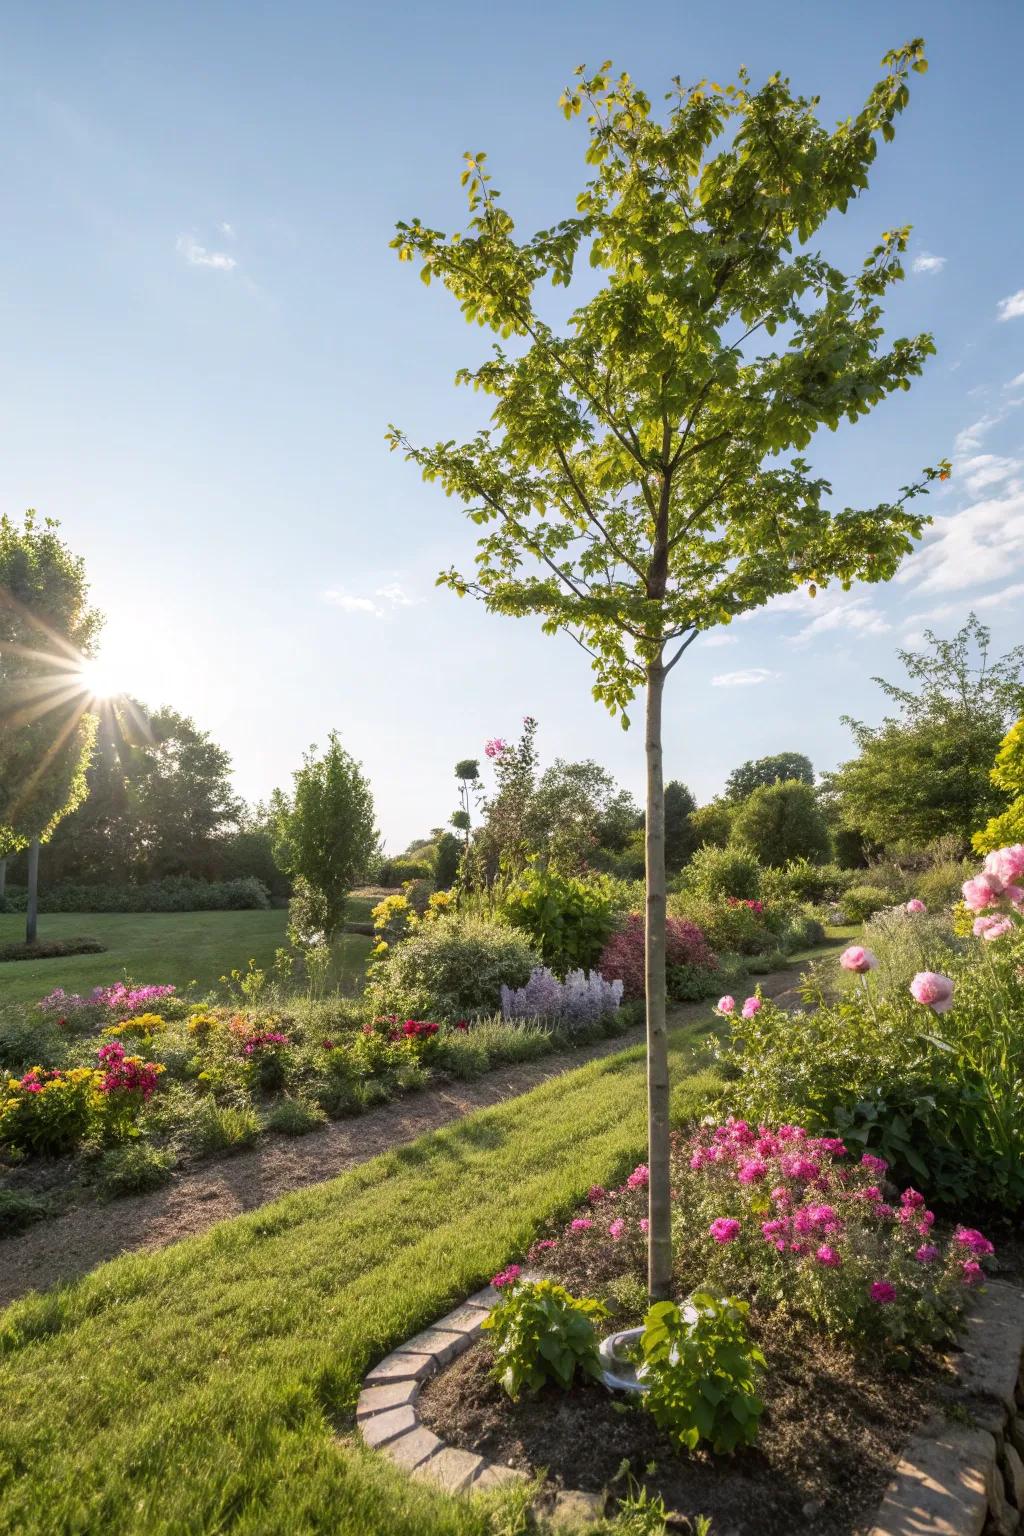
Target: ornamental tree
{"x": 642, "y": 479}
{"x": 47, "y": 630}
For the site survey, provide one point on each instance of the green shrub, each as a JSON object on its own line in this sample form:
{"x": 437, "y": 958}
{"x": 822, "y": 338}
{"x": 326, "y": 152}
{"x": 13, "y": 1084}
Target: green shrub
{"x": 720, "y": 872}
{"x": 803, "y": 931}
{"x": 217, "y": 1130}
{"x": 51, "y": 949}
{"x": 540, "y": 1333}
{"x": 19, "y": 1211}
{"x": 803, "y": 880}
{"x": 727, "y": 924}
{"x": 939, "y": 885}
{"x": 862, "y": 901}
{"x": 177, "y": 893}
{"x": 295, "y": 1117}
{"x": 702, "y": 1375}
{"x": 27, "y": 1041}
{"x": 464, "y": 1056}
{"x": 780, "y": 822}
{"x": 132, "y": 1169}
{"x": 510, "y": 1040}
{"x": 451, "y": 969}
{"x": 568, "y": 918}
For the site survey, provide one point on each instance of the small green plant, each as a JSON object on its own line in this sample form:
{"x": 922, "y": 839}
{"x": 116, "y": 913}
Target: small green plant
{"x": 19, "y": 1211}
{"x": 295, "y": 1117}
{"x": 217, "y": 1130}
{"x": 702, "y": 1374}
{"x": 132, "y": 1170}
{"x": 862, "y": 901}
{"x": 569, "y": 919}
{"x": 541, "y": 1333}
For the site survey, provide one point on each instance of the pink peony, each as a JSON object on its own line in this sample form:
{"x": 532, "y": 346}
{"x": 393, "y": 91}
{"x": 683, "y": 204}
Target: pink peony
{"x": 724, "y": 1229}
{"x": 882, "y": 1292}
{"x": 992, "y": 927}
{"x": 981, "y": 892}
{"x": 727, "y": 1004}
{"x": 858, "y": 959}
{"x": 828, "y": 1256}
{"x": 927, "y": 1253}
{"x": 932, "y": 989}
{"x": 751, "y": 1006}
{"x": 915, "y": 904}
{"x": 1006, "y": 864}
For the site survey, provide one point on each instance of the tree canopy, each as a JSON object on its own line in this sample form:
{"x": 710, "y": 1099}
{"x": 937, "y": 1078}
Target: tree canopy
{"x": 325, "y": 833}
{"x": 761, "y": 771}
{"x": 1007, "y": 777}
{"x": 782, "y": 821}
{"x": 924, "y": 772}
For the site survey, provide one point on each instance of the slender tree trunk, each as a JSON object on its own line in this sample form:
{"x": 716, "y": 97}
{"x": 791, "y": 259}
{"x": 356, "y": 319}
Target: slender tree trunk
{"x": 659, "y": 1195}
{"x": 3, "y": 878}
{"x": 32, "y": 911}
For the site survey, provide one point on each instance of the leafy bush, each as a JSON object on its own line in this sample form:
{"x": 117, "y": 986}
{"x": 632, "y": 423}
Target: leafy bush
{"x": 48, "y": 1112}
{"x": 177, "y": 893}
{"x": 721, "y": 872}
{"x": 780, "y": 822}
{"x": 397, "y": 871}
{"x": 218, "y": 1130}
{"x": 727, "y": 922}
{"x": 569, "y": 919}
{"x": 540, "y": 1333}
{"x": 686, "y": 952}
{"x": 25, "y": 1042}
{"x": 51, "y": 949}
{"x": 451, "y": 969}
{"x": 804, "y": 880}
{"x": 862, "y": 901}
{"x": 939, "y": 885}
{"x": 295, "y": 1117}
{"x": 702, "y": 1374}
{"x": 132, "y": 1169}
{"x": 574, "y": 1003}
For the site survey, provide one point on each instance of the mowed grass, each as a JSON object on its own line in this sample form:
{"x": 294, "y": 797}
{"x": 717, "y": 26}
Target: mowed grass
{"x": 208, "y": 1388}
{"x": 178, "y": 947}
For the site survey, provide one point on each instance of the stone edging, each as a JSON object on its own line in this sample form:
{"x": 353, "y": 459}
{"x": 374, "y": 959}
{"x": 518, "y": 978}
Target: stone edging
{"x": 388, "y": 1420}
{"x": 962, "y": 1478}
{"x": 958, "y": 1477}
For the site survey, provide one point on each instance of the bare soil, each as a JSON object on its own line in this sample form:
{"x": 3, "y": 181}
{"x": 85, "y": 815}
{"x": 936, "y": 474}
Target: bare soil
{"x": 834, "y": 1426}
{"x": 86, "y": 1234}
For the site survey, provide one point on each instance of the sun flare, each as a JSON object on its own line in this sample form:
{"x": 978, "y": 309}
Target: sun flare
{"x": 98, "y": 681}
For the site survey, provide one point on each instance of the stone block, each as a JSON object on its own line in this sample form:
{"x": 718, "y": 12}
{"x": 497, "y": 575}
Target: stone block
{"x": 451, "y": 1470}
{"x": 438, "y": 1342}
{"x": 1013, "y": 1474}
{"x": 382, "y": 1427}
{"x": 574, "y": 1510}
{"x": 941, "y": 1486}
{"x": 466, "y": 1319}
{"x": 411, "y": 1450}
{"x": 394, "y": 1395}
{"x": 993, "y": 1340}
{"x": 495, "y": 1475}
{"x": 400, "y": 1367}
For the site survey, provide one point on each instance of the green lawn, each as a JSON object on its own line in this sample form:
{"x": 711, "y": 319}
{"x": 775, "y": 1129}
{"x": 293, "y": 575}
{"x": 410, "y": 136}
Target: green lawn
{"x": 176, "y": 947}
{"x": 204, "y": 1389}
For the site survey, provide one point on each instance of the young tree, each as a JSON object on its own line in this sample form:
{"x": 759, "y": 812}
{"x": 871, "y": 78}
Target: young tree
{"x": 924, "y": 773}
{"x": 325, "y": 834}
{"x": 1008, "y": 777}
{"x": 643, "y": 480}
{"x": 768, "y": 770}
{"x": 782, "y": 821}
{"x": 47, "y": 631}
{"x": 680, "y": 836}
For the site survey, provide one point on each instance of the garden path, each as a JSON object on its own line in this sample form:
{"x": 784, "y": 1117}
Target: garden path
{"x": 84, "y": 1236}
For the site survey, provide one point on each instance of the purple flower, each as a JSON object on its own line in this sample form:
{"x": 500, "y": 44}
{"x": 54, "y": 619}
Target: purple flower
{"x": 970, "y": 1237}
{"x": 828, "y": 1257}
{"x": 927, "y": 1253}
{"x": 882, "y": 1292}
{"x": 724, "y": 1229}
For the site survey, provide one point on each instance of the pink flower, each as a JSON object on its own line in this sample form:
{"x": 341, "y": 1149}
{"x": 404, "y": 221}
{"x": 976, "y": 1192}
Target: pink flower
{"x": 858, "y": 959}
{"x": 933, "y": 990}
{"x": 580, "y": 1224}
{"x": 780, "y": 1194}
{"x": 981, "y": 892}
{"x": 495, "y": 747}
{"x": 751, "y": 1169}
{"x": 640, "y": 1177}
{"x": 794, "y": 1166}
{"x": 1006, "y": 864}
{"x": 830, "y": 1144}
{"x": 970, "y": 1237}
{"x": 911, "y": 1198}
{"x": 751, "y": 1006}
{"x": 882, "y": 1292}
{"x": 617, "y": 1228}
{"x": 506, "y": 1277}
{"x": 972, "y": 1272}
{"x": 915, "y": 904}
{"x": 926, "y": 1222}
{"x": 828, "y": 1256}
{"x": 873, "y": 1164}
{"x": 927, "y": 1253}
{"x": 724, "y": 1229}
{"x": 542, "y": 1245}
{"x": 644, "y": 1224}
{"x": 727, "y": 1004}
{"x": 595, "y": 1194}
{"x": 992, "y": 927}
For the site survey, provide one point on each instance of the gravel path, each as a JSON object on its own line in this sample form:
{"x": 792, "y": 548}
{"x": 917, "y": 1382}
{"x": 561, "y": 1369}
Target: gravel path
{"x": 86, "y": 1235}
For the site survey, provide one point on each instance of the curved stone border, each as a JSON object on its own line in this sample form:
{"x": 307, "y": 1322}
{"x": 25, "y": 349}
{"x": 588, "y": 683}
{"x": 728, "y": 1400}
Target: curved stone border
{"x": 388, "y": 1420}
{"x": 960, "y": 1478}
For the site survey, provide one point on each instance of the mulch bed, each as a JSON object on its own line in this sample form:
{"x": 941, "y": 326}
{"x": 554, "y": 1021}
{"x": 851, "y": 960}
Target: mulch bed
{"x": 834, "y": 1427}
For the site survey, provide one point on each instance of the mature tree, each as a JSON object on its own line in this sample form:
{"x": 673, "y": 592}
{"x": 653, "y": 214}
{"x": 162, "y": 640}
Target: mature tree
{"x": 576, "y": 810}
{"x": 924, "y": 773}
{"x": 643, "y": 478}
{"x": 680, "y": 835}
{"x": 247, "y": 850}
{"x": 712, "y": 823}
{"x": 47, "y": 632}
{"x": 752, "y": 775}
{"x": 325, "y": 833}
{"x": 782, "y": 821}
{"x": 1008, "y": 777}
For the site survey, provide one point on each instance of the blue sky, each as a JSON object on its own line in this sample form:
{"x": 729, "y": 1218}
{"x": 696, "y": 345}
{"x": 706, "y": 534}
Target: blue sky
{"x": 205, "y": 336}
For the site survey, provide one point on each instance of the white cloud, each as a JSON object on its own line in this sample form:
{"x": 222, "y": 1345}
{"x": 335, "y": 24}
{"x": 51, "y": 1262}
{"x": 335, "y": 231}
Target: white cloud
{"x": 857, "y": 614}
{"x": 198, "y": 256}
{"x": 226, "y": 229}
{"x": 957, "y": 610}
{"x": 1012, "y": 308}
{"x": 970, "y": 438}
{"x": 981, "y": 543}
{"x": 1017, "y": 383}
{"x": 985, "y": 470}
{"x": 926, "y": 262}
{"x": 748, "y": 677}
{"x": 718, "y": 638}
{"x": 392, "y": 596}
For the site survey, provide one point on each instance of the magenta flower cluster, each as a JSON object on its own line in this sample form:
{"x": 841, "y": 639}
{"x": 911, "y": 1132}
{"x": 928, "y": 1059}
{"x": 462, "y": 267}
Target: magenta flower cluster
{"x": 126, "y": 1074}
{"x": 264, "y": 1040}
{"x": 118, "y": 998}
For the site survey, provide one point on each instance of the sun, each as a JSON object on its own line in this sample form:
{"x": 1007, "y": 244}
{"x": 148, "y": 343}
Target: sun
{"x": 98, "y": 681}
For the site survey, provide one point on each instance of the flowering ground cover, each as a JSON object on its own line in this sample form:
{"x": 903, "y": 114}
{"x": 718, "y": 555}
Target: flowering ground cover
{"x": 210, "y": 1386}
